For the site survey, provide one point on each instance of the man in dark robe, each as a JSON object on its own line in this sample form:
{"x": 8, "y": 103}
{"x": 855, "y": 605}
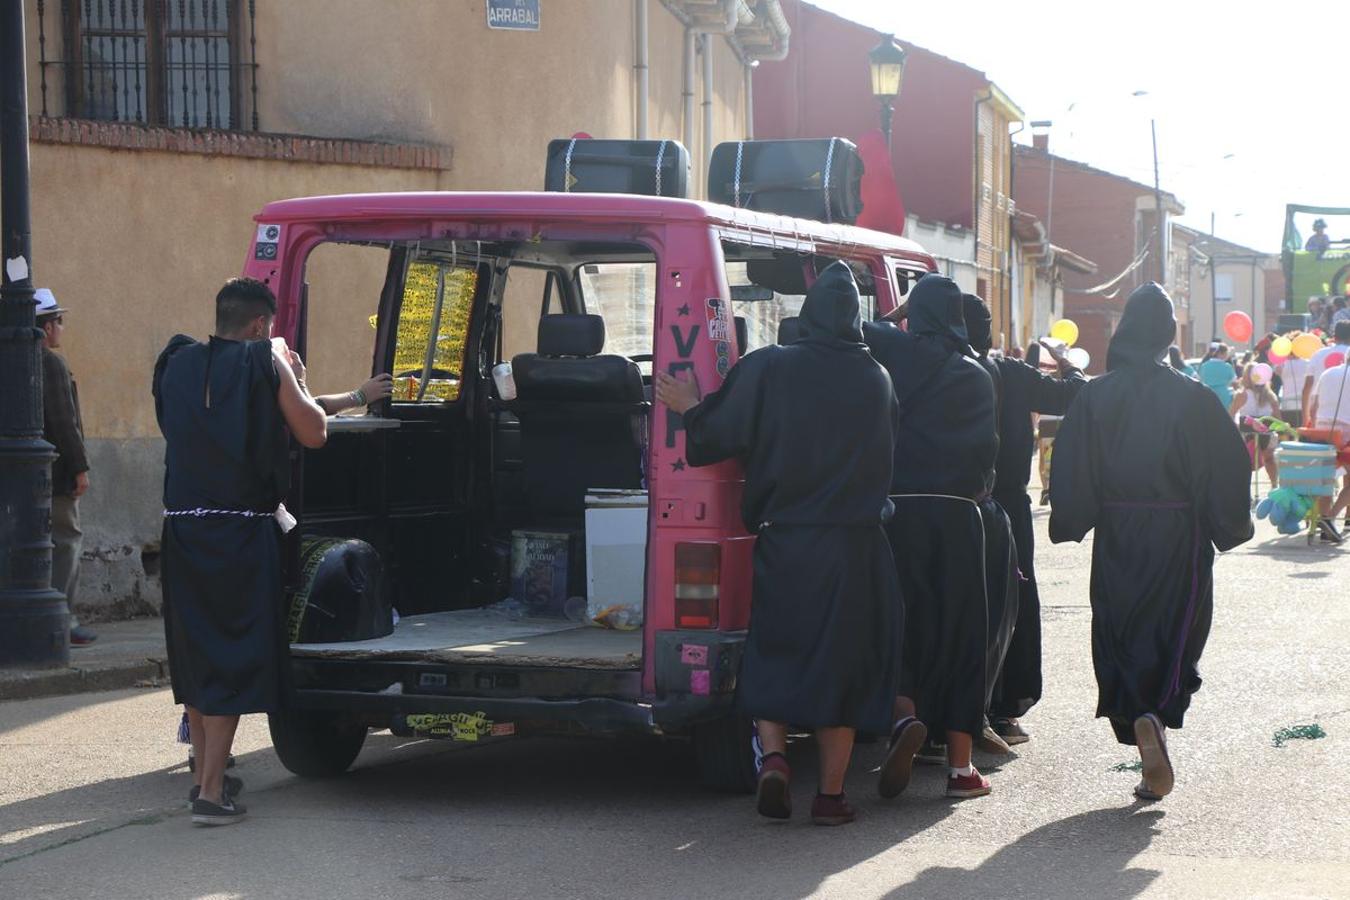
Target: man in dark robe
{"x": 1150, "y": 460}
{"x": 1022, "y": 390}
{"x": 944, "y": 453}
{"x": 224, "y": 408}
{"x": 1000, "y": 555}
{"x": 813, "y": 424}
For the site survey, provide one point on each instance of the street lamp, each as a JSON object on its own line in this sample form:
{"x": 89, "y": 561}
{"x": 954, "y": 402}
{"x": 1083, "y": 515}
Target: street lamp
{"x": 887, "y": 61}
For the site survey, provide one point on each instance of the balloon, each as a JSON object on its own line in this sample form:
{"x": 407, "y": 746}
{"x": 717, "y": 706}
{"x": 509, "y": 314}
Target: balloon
{"x": 1275, "y": 358}
{"x": 1282, "y": 346}
{"x": 1238, "y": 326}
{"x": 1261, "y": 373}
{"x": 1335, "y": 359}
{"x": 1078, "y": 357}
{"x": 1307, "y": 345}
{"x": 1065, "y": 330}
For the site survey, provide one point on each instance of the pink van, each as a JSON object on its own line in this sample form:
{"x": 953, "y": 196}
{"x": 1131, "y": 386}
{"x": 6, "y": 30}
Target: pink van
{"x": 455, "y": 484}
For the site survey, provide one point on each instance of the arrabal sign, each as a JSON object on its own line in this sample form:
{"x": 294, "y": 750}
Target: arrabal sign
{"x": 515, "y": 15}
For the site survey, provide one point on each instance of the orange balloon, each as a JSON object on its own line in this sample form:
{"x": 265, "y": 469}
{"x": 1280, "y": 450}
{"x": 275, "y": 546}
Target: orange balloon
{"x": 1307, "y": 345}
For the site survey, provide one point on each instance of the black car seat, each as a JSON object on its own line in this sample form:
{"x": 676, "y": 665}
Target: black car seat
{"x": 789, "y": 330}
{"x": 577, "y": 410}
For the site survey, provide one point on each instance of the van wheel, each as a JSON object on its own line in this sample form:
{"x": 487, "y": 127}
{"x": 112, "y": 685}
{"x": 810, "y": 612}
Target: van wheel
{"x": 315, "y": 744}
{"x": 725, "y": 755}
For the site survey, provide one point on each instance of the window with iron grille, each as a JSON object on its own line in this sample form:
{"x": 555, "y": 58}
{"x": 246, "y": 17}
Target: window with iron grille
{"x": 181, "y": 63}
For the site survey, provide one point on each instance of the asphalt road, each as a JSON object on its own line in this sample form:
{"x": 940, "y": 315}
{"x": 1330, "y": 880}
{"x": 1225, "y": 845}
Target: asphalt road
{"x": 92, "y": 792}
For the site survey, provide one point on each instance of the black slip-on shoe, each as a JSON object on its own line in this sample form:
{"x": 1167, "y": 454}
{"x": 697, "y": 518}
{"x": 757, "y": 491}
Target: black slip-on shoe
{"x": 204, "y": 812}
{"x": 906, "y": 740}
{"x": 233, "y": 788}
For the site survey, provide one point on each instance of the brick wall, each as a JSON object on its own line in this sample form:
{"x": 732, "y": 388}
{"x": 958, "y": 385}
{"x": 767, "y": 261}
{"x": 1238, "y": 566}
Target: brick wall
{"x": 239, "y": 144}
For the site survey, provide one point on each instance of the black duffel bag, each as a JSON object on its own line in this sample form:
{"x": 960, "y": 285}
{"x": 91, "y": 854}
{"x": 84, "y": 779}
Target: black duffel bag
{"x": 810, "y": 179}
{"x": 588, "y": 166}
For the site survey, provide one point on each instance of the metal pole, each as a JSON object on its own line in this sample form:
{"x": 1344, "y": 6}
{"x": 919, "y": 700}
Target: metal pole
{"x": 887, "y": 114}
{"x": 1158, "y": 207}
{"x": 1213, "y": 287}
{"x": 34, "y": 621}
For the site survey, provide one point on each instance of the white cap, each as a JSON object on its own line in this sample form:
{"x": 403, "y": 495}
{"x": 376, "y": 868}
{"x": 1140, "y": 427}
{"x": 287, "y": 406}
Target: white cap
{"x": 46, "y": 302}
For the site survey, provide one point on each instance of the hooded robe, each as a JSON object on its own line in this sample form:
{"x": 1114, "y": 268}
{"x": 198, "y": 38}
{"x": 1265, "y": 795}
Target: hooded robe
{"x": 1149, "y": 460}
{"x": 1022, "y": 390}
{"x": 813, "y": 424}
{"x": 944, "y": 453}
{"x": 226, "y": 461}
{"x": 1000, "y": 552}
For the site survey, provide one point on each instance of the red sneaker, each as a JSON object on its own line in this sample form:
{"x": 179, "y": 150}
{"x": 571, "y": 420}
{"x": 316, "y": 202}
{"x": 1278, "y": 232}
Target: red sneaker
{"x": 963, "y": 787}
{"x": 832, "y": 810}
{"x": 773, "y": 798}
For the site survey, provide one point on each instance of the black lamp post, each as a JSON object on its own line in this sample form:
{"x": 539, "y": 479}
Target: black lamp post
{"x": 34, "y": 621}
{"x": 887, "y": 61}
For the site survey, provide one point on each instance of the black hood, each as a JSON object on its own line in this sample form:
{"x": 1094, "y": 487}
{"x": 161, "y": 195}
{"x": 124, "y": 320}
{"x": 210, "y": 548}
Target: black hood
{"x": 1145, "y": 331}
{"x": 978, "y": 323}
{"x": 832, "y": 310}
{"x": 935, "y": 308}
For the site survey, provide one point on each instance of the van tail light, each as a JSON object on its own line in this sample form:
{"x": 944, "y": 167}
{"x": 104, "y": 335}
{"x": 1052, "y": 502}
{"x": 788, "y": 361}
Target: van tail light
{"x": 698, "y": 571}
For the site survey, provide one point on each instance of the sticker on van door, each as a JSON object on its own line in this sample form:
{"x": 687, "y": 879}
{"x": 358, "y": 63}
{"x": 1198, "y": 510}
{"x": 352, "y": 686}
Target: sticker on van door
{"x": 268, "y": 240}
{"x": 719, "y": 319}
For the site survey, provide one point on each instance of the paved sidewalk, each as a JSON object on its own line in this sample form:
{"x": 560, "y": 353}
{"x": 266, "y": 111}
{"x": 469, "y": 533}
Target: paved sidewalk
{"x": 126, "y": 654}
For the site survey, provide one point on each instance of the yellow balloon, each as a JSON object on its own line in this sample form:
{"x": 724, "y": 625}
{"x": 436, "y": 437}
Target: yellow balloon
{"x": 1306, "y": 346}
{"x": 1065, "y": 330}
{"x": 1282, "y": 346}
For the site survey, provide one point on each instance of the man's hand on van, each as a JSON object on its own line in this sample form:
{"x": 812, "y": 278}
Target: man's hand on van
{"x": 680, "y": 396}
{"x": 378, "y": 388}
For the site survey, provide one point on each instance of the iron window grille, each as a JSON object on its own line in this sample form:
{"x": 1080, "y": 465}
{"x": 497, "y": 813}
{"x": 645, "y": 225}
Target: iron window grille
{"x": 180, "y": 63}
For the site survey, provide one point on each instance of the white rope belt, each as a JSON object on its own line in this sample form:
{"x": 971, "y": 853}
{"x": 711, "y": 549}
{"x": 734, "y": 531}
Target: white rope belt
{"x": 201, "y": 513}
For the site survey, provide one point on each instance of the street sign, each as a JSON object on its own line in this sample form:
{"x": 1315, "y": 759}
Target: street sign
{"x": 513, "y": 15}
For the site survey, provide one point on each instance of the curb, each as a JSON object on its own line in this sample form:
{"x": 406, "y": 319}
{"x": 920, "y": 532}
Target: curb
{"x": 34, "y": 683}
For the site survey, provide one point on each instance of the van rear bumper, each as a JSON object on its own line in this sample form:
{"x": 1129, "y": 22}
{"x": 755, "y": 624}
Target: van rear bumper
{"x": 696, "y": 681}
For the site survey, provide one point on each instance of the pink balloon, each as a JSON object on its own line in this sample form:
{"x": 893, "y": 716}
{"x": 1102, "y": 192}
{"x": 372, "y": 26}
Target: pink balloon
{"x": 1238, "y": 326}
{"x": 1335, "y": 359}
{"x": 1275, "y": 358}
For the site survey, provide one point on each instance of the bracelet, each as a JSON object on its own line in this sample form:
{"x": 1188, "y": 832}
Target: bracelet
{"x": 358, "y": 397}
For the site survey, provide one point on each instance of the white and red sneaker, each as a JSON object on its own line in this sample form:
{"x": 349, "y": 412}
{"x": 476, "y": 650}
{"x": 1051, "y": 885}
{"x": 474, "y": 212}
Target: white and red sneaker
{"x": 963, "y": 787}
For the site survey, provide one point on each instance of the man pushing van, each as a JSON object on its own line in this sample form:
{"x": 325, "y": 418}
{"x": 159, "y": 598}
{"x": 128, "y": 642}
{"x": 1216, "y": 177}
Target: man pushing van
{"x": 813, "y": 424}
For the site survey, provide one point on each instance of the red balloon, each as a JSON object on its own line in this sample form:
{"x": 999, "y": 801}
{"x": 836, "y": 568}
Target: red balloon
{"x": 1335, "y": 359}
{"x": 1238, "y": 326}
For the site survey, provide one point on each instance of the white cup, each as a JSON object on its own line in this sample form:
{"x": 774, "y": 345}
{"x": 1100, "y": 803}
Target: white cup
{"x": 505, "y": 381}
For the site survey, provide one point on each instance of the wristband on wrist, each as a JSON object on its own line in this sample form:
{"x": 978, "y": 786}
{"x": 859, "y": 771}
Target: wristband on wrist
{"x": 358, "y": 397}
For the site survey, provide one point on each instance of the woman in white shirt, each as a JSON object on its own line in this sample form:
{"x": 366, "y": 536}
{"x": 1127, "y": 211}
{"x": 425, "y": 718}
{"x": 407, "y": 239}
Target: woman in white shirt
{"x": 1254, "y": 401}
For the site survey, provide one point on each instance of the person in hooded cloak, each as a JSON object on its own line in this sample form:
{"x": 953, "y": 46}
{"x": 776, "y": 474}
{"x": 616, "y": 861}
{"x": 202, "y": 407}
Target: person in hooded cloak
{"x": 813, "y": 424}
{"x": 1148, "y": 460}
{"x": 1022, "y": 390}
{"x": 944, "y": 455}
{"x": 1000, "y": 555}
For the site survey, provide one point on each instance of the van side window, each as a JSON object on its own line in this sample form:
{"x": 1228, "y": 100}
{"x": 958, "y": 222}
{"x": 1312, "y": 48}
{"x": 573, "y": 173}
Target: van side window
{"x": 768, "y": 286}
{"x": 433, "y": 327}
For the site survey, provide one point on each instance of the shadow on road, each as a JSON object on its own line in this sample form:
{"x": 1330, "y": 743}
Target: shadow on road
{"x": 1102, "y": 875}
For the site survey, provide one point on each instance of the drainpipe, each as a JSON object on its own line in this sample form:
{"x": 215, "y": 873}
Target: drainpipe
{"x": 1012, "y": 171}
{"x": 707, "y": 100}
{"x": 640, "y": 67}
{"x": 689, "y": 62}
{"x": 750, "y": 67}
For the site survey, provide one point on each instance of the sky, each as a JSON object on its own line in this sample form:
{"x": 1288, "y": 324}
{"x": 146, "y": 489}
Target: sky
{"x": 1263, "y": 84}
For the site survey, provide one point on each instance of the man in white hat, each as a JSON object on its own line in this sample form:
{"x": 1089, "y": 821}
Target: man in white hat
{"x": 64, "y": 430}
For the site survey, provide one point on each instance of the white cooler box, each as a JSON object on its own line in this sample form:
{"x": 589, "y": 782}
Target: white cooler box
{"x": 616, "y": 554}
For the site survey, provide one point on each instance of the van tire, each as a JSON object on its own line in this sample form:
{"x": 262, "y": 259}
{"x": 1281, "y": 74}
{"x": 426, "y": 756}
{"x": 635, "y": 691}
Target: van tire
{"x": 315, "y": 744}
{"x": 725, "y": 756}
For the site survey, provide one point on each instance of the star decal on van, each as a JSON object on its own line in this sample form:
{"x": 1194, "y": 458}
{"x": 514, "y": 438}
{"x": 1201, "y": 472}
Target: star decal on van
{"x": 677, "y": 465}
{"x": 683, "y": 310}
